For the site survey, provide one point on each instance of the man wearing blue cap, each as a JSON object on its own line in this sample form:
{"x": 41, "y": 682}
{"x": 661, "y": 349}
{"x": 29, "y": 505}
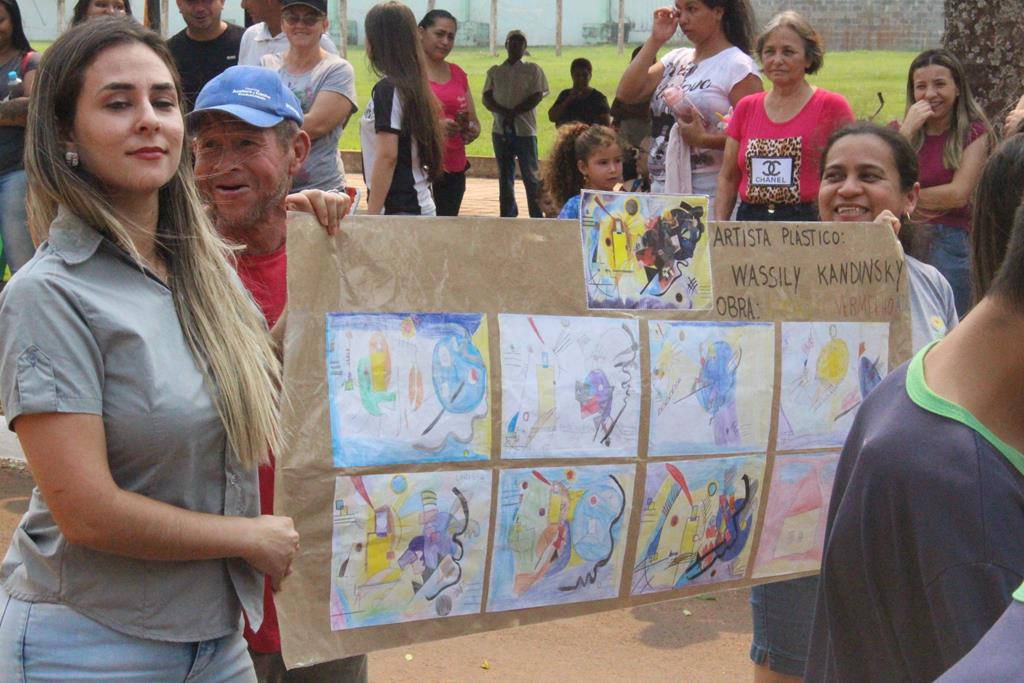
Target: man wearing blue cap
{"x": 248, "y": 143}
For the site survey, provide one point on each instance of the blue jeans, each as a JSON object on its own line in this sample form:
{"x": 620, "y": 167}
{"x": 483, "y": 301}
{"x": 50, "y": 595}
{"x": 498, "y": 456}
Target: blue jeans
{"x": 18, "y": 247}
{"x": 783, "y": 613}
{"x": 42, "y": 641}
{"x": 505, "y": 153}
{"x": 948, "y": 251}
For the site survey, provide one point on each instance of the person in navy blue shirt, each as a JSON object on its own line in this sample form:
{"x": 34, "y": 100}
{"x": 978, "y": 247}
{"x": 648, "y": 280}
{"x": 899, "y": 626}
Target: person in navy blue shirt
{"x": 924, "y": 549}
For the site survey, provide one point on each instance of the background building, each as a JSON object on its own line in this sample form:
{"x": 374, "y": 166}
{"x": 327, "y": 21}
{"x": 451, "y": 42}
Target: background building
{"x": 846, "y": 24}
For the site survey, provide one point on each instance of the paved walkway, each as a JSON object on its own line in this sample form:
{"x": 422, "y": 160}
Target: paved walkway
{"x": 9, "y": 448}
{"x": 481, "y": 196}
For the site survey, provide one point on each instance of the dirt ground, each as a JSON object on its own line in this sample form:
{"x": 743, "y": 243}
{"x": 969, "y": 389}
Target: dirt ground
{"x": 654, "y": 643}
{"x": 657, "y": 642}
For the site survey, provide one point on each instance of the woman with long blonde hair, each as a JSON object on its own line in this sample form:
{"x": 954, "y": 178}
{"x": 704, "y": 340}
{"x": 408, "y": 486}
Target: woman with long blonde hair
{"x": 142, "y": 385}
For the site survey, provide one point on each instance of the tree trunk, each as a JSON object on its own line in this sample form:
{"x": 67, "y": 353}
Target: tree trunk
{"x": 986, "y": 36}
{"x": 165, "y": 17}
{"x": 61, "y": 21}
{"x": 151, "y": 14}
{"x": 558, "y": 28}
{"x": 494, "y": 27}
{"x": 622, "y": 26}
{"x": 343, "y": 24}
{"x": 431, "y": 4}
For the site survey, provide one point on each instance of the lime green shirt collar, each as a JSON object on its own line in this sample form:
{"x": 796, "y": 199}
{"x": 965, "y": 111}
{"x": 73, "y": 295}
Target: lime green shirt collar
{"x": 927, "y": 399}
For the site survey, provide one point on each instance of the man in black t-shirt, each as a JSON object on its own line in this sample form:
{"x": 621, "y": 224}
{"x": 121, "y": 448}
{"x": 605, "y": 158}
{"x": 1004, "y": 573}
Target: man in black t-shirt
{"x": 206, "y": 47}
{"x": 580, "y": 102}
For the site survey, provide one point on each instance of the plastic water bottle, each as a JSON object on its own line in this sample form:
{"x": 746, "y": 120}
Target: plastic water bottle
{"x": 13, "y": 85}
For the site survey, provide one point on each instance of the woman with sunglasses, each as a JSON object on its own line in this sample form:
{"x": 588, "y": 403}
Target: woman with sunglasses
{"x": 325, "y": 86}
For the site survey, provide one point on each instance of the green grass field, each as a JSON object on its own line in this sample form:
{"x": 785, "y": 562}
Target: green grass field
{"x": 858, "y": 75}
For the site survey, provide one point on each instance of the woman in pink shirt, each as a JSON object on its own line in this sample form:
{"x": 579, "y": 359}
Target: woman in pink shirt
{"x": 774, "y": 139}
{"x": 451, "y": 87}
{"x": 773, "y": 148}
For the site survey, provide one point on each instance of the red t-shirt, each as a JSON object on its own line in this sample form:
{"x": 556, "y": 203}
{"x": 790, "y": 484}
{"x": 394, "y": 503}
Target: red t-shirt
{"x": 934, "y": 173}
{"x": 779, "y": 162}
{"x": 265, "y": 276}
{"x": 454, "y": 97}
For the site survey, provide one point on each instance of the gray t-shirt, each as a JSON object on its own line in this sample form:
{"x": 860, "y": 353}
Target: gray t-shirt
{"x": 932, "y": 311}
{"x": 84, "y": 330}
{"x": 323, "y": 169}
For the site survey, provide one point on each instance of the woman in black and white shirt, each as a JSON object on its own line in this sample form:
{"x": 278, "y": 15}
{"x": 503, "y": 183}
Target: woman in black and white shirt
{"x": 400, "y": 130}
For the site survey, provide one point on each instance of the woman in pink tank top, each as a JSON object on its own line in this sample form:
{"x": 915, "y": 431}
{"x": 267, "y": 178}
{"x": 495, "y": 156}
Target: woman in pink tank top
{"x": 451, "y": 87}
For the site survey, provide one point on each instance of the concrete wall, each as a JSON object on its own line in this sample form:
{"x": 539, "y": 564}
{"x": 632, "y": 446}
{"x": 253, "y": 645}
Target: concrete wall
{"x": 846, "y": 24}
{"x": 867, "y": 24}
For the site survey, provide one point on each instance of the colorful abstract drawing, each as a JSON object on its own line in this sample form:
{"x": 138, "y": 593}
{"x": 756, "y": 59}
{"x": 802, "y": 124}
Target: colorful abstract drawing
{"x": 711, "y": 387}
{"x": 827, "y": 370}
{"x": 570, "y": 386}
{"x": 559, "y": 535}
{"x": 696, "y": 523}
{"x": 408, "y": 546}
{"x": 408, "y": 388}
{"x": 794, "y": 520}
{"x": 646, "y": 250}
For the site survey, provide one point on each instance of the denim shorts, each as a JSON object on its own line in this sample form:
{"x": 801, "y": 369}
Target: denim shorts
{"x": 41, "y": 641}
{"x": 783, "y": 613}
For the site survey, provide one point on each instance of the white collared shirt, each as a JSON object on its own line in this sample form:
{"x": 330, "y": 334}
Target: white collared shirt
{"x": 257, "y": 41}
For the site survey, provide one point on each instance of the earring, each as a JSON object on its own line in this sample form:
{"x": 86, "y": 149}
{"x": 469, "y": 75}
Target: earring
{"x": 71, "y": 158}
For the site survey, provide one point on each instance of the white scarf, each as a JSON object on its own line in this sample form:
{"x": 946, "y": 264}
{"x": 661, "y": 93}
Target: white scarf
{"x": 678, "y": 178}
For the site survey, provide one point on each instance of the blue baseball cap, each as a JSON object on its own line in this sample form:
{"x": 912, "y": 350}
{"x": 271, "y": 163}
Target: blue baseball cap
{"x": 252, "y": 93}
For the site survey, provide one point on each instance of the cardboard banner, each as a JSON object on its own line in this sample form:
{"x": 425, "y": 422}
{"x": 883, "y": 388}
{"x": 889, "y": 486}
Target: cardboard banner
{"x": 479, "y": 436}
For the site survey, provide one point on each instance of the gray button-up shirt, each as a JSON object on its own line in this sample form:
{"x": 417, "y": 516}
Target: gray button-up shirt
{"x": 84, "y": 330}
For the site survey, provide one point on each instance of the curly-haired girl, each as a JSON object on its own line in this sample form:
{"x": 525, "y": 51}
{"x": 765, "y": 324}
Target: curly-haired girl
{"x": 583, "y": 158}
